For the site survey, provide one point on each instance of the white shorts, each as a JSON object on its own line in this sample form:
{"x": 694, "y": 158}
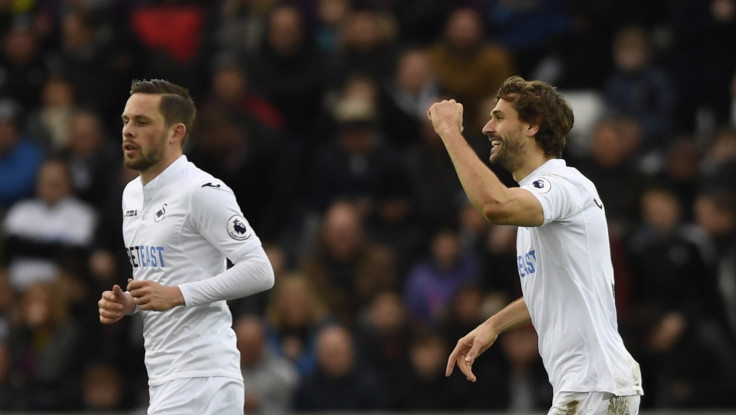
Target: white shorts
{"x": 594, "y": 403}
{"x": 197, "y": 396}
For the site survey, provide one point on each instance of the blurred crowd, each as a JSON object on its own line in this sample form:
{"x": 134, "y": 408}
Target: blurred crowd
{"x": 314, "y": 112}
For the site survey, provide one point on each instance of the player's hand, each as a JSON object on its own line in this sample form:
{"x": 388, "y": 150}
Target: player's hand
{"x": 114, "y": 305}
{"x": 469, "y": 348}
{"x": 153, "y": 296}
{"x": 446, "y": 115}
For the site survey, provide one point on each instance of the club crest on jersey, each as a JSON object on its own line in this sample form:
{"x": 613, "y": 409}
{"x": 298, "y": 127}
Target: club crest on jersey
{"x": 541, "y": 185}
{"x": 160, "y": 214}
{"x": 237, "y": 228}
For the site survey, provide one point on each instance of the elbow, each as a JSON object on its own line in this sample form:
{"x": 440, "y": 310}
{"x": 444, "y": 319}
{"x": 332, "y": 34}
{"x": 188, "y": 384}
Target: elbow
{"x": 495, "y": 213}
{"x": 266, "y": 277}
{"x": 270, "y": 279}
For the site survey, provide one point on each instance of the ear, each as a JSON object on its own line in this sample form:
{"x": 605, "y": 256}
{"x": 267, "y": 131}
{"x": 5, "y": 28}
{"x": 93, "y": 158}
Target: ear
{"x": 532, "y": 130}
{"x": 178, "y": 131}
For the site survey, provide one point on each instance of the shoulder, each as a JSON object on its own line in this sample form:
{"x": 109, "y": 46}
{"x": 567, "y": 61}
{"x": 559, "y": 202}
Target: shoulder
{"x": 132, "y": 187}
{"x": 208, "y": 190}
{"x": 79, "y": 207}
{"x": 566, "y": 179}
{"x": 200, "y": 181}
{"x": 21, "y": 210}
{"x": 23, "y": 205}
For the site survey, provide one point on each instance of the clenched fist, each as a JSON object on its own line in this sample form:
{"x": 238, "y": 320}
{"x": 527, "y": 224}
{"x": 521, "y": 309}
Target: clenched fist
{"x": 446, "y": 116}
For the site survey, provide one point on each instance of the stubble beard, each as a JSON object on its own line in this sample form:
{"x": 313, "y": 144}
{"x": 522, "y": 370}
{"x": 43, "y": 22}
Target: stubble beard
{"x": 509, "y": 156}
{"x": 146, "y": 160}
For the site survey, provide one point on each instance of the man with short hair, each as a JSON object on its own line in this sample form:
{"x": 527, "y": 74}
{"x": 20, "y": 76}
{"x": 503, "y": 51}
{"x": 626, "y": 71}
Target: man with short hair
{"x": 180, "y": 225}
{"x": 563, "y": 253}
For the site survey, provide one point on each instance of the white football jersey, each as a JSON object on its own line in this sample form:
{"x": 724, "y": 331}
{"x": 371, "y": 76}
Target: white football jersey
{"x": 179, "y": 228}
{"x": 568, "y": 286}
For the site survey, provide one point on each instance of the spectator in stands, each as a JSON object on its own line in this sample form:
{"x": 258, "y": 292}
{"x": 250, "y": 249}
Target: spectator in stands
{"x": 532, "y": 33}
{"x": 103, "y": 388}
{"x": 295, "y": 314}
{"x": 382, "y": 338}
{"x": 638, "y": 88}
{"x": 53, "y": 230}
{"x": 49, "y": 124}
{"x": 434, "y": 280}
{"x": 23, "y": 66}
{"x": 230, "y": 91}
{"x": 702, "y": 32}
{"x": 469, "y": 67}
{"x": 367, "y": 45}
{"x": 92, "y": 158}
{"x": 241, "y": 25}
{"x": 423, "y": 386}
{"x": 251, "y": 158}
{"x": 394, "y": 219}
{"x": 677, "y": 302}
{"x": 271, "y": 379}
{"x": 525, "y": 380}
{"x": 719, "y": 164}
{"x": 430, "y": 171}
{"x": 85, "y": 57}
{"x": 349, "y": 166}
{"x": 19, "y": 158}
{"x": 684, "y": 369}
{"x": 613, "y": 160}
{"x": 42, "y": 344}
{"x": 715, "y": 216}
{"x": 469, "y": 307}
{"x": 338, "y": 382}
{"x": 346, "y": 267}
{"x": 406, "y": 96}
{"x": 290, "y": 72}
{"x": 331, "y": 17}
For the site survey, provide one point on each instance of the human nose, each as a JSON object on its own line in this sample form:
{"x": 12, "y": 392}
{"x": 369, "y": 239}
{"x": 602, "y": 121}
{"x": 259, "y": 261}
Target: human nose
{"x": 127, "y": 130}
{"x": 489, "y": 128}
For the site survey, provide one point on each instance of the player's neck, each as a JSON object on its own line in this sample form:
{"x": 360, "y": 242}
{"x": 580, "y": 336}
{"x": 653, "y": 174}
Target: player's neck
{"x": 530, "y": 162}
{"x": 158, "y": 168}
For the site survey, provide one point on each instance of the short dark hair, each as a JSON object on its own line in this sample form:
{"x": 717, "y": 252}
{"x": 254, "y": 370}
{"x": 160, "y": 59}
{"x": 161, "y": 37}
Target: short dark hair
{"x": 538, "y": 102}
{"x": 177, "y": 105}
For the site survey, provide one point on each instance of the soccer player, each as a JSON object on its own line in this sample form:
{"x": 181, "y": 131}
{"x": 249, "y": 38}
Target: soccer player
{"x": 562, "y": 246}
{"x": 179, "y": 226}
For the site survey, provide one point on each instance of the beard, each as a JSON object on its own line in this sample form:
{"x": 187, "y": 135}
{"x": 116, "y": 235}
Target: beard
{"x": 148, "y": 159}
{"x": 508, "y": 157}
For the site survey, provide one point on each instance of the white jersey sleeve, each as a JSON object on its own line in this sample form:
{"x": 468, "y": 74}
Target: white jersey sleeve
{"x": 217, "y": 216}
{"x": 559, "y": 197}
{"x": 250, "y": 276}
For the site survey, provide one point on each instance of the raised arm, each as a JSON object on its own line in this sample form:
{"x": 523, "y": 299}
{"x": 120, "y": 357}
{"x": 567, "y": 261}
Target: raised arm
{"x": 499, "y": 204}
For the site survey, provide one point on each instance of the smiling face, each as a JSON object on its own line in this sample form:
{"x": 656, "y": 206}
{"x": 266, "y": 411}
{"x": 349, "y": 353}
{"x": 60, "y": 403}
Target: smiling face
{"x": 508, "y": 135}
{"x": 149, "y": 146}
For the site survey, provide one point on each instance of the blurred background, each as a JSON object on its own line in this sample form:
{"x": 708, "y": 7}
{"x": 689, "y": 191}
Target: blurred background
{"x": 314, "y": 112}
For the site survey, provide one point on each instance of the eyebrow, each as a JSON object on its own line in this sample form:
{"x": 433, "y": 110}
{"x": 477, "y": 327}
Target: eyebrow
{"x": 136, "y": 116}
{"x": 496, "y": 113}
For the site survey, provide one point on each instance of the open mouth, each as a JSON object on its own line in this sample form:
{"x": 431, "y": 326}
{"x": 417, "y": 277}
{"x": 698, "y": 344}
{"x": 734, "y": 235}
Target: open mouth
{"x": 129, "y": 148}
{"x": 496, "y": 145}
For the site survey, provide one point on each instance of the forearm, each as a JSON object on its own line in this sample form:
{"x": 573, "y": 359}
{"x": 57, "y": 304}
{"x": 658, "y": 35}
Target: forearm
{"x": 250, "y": 275}
{"x": 513, "y": 315}
{"x": 483, "y": 187}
